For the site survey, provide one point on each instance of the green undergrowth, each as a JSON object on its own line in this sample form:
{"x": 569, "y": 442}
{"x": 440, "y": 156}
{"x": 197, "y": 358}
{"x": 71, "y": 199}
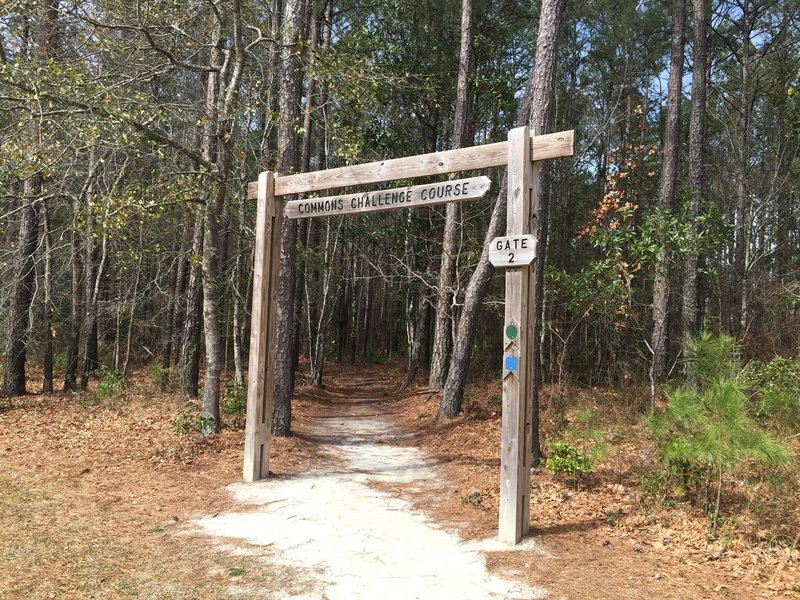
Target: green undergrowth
{"x": 707, "y": 432}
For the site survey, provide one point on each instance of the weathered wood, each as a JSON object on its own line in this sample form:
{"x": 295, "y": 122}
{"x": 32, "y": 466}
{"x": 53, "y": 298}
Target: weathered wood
{"x": 261, "y": 372}
{"x": 405, "y": 197}
{"x": 515, "y": 461}
{"x": 553, "y": 145}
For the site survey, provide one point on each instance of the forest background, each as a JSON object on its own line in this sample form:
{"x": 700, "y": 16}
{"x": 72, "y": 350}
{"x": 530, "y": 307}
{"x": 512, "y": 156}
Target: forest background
{"x": 129, "y": 132}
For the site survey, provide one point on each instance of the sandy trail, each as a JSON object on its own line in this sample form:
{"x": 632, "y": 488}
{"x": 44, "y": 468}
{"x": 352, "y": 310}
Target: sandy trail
{"x": 354, "y": 540}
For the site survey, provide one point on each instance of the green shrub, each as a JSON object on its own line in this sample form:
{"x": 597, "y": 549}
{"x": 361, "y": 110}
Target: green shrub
{"x": 109, "y": 383}
{"x": 705, "y": 432}
{"x": 775, "y": 390}
{"x": 158, "y": 375}
{"x": 235, "y": 403}
{"x": 567, "y": 460}
{"x": 583, "y": 443}
{"x": 187, "y": 418}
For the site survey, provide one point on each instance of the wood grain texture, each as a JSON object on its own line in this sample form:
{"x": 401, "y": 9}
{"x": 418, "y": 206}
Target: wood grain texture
{"x": 542, "y": 147}
{"x": 515, "y": 461}
{"x": 260, "y": 375}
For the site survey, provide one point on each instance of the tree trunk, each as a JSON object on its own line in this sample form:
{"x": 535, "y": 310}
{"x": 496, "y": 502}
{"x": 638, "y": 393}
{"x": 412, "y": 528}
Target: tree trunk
{"x": 47, "y": 384}
{"x": 212, "y": 324}
{"x": 190, "y": 345}
{"x": 444, "y": 291}
{"x": 666, "y": 200}
{"x": 94, "y": 268}
{"x": 536, "y": 109}
{"x": 742, "y": 226}
{"x": 14, "y": 377}
{"x": 71, "y": 372}
{"x": 288, "y": 161}
{"x": 240, "y": 285}
{"x": 22, "y": 290}
{"x": 689, "y": 316}
{"x": 176, "y": 282}
{"x": 137, "y": 278}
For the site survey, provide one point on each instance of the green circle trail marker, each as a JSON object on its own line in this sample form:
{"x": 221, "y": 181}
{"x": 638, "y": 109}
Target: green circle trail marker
{"x": 512, "y": 331}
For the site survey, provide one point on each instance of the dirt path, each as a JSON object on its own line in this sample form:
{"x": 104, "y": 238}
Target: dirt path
{"x": 347, "y": 523}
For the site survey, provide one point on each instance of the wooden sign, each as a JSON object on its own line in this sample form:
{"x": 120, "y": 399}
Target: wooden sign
{"x": 405, "y": 197}
{"x": 512, "y": 251}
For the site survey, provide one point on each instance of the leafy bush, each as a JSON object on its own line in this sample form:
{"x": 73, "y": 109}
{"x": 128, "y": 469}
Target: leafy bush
{"x": 235, "y": 404}
{"x": 187, "y": 419}
{"x": 110, "y": 383}
{"x": 705, "y": 432}
{"x": 775, "y": 390}
{"x": 583, "y": 444}
{"x": 158, "y": 375}
{"x": 567, "y": 460}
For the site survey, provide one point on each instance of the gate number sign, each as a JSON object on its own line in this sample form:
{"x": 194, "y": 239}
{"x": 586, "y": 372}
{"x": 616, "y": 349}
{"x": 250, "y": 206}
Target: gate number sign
{"x": 512, "y": 251}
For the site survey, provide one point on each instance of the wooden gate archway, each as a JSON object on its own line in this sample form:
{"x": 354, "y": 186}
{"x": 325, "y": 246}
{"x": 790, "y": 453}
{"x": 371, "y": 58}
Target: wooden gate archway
{"x": 518, "y": 154}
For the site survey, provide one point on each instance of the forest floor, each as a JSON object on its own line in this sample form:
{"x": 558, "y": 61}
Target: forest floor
{"x": 109, "y": 500}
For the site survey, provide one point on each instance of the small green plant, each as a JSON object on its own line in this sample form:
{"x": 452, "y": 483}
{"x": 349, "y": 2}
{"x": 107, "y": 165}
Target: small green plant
{"x": 474, "y": 498}
{"x": 235, "y": 571}
{"x": 158, "y": 375}
{"x": 775, "y": 390}
{"x": 567, "y": 460}
{"x": 705, "y": 432}
{"x": 110, "y": 381}
{"x": 207, "y": 425}
{"x": 235, "y": 403}
{"x": 654, "y": 483}
{"x": 187, "y": 419}
{"x": 613, "y": 517}
{"x": 496, "y": 403}
{"x": 423, "y": 415}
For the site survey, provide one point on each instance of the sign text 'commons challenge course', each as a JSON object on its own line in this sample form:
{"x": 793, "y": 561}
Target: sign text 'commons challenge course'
{"x": 406, "y": 197}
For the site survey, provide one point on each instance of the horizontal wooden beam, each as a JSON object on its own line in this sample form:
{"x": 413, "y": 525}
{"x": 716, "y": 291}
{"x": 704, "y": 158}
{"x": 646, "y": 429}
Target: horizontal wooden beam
{"x": 552, "y": 145}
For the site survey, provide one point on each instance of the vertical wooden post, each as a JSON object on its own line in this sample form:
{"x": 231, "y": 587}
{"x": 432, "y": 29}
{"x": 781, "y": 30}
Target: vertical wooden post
{"x": 261, "y": 371}
{"x": 515, "y": 456}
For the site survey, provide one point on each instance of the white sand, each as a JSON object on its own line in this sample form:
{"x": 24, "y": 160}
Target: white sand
{"x": 360, "y": 542}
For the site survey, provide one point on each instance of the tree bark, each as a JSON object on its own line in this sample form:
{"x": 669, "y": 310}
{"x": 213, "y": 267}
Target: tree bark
{"x": 536, "y": 109}
{"x": 22, "y": 290}
{"x": 288, "y": 161}
{"x": 689, "y": 315}
{"x": 444, "y": 291}
{"x": 189, "y": 367}
{"x": 666, "y": 199}
{"x": 47, "y": 384}
{"x": 742, "y": 226}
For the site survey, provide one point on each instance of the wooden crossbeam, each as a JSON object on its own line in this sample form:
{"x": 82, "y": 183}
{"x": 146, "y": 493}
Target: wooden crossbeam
{"x": 552, "y": 145}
